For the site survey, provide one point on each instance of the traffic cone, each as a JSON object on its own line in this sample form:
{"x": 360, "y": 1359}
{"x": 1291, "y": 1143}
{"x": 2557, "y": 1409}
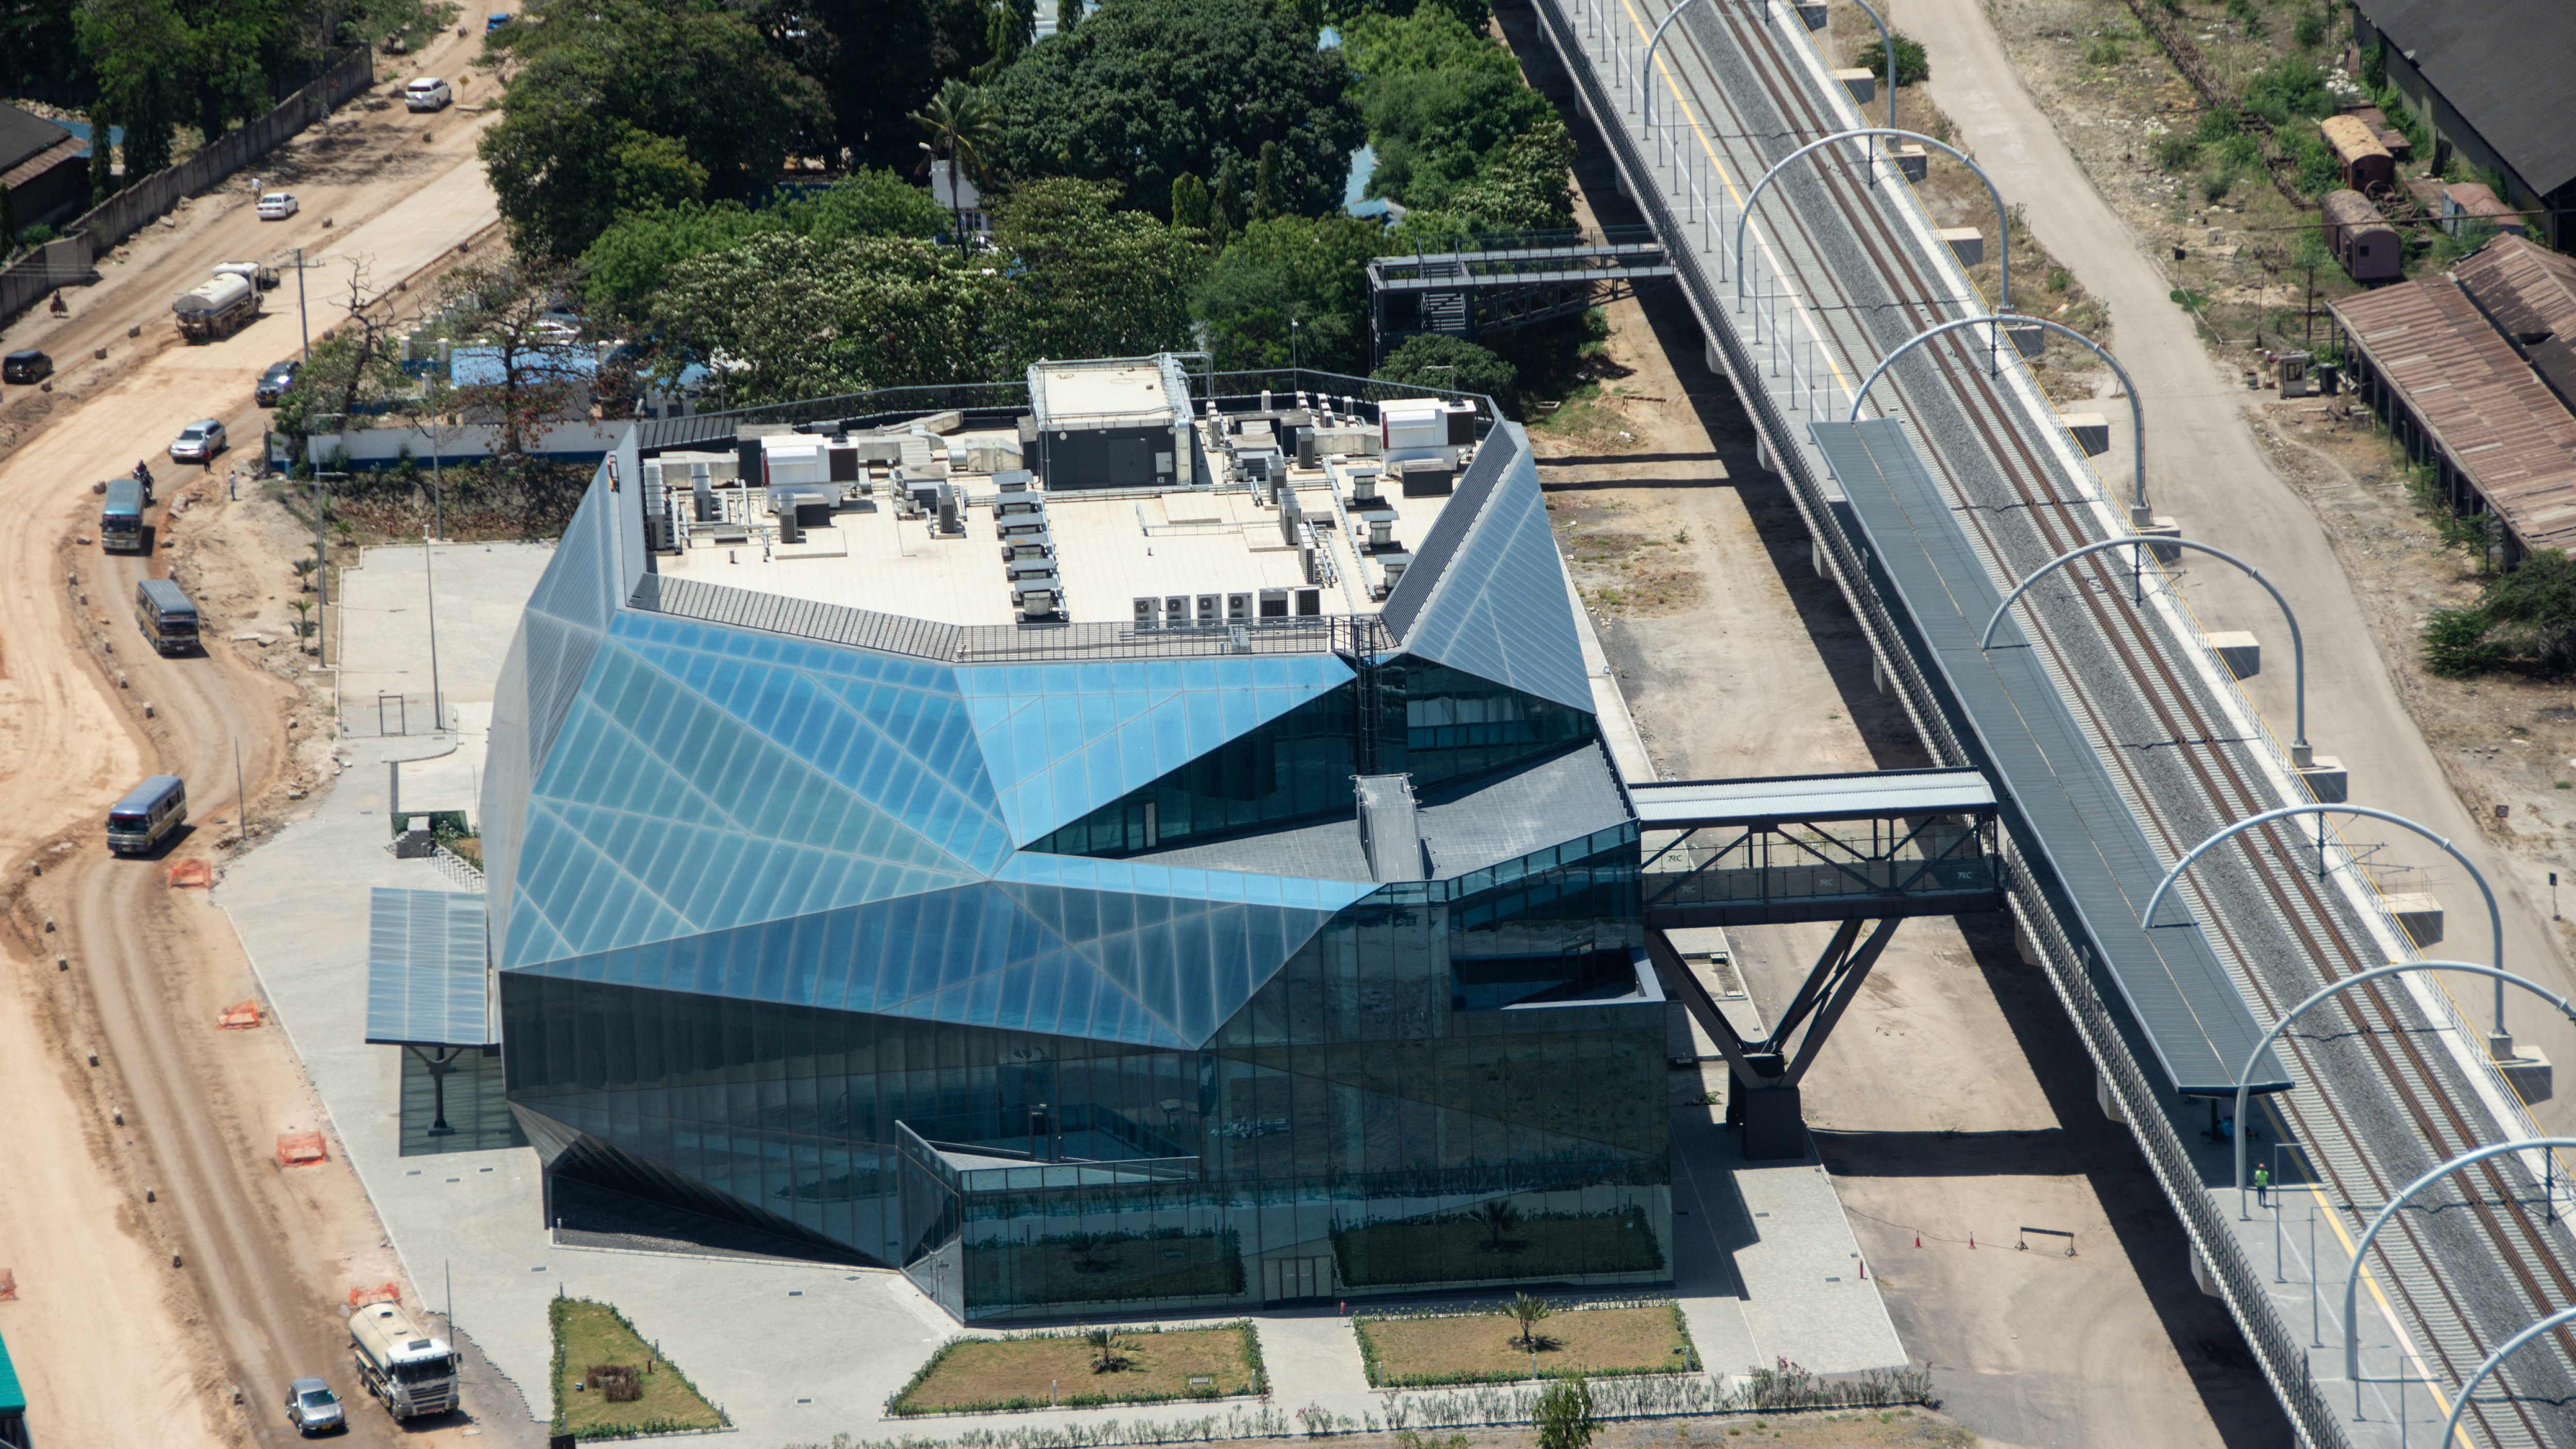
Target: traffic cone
{"x": 1918, "y": 1240}
{"x": 1972, "y": 1241}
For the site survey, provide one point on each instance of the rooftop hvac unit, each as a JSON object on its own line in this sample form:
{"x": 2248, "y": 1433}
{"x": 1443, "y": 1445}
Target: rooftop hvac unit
{"x": 1427, "y": 477}
{"x": 1274, "y": 603}
{"x": 1310, "y": 603}
{"x": 1381, "y": 527}
{"x": 1013, "y": 505}
{"x": 1027, "y": 568}
{"x": 1238, "y": 608}
{"x": 1176, "y": 611}
{"x": 1149, "y": 611}
{"x": 1395, "y": 565}
{"x": 1037, "y": 604}
{"x": 1291, "y": 515}
{"x": 1025, "y": 525}
{"x": 1036, "y": 545}
{"x": 1211, "y": 610}
{"x": 1363, "y": 485}
{"x": 952, "y": 510}
{"x": 1015, "y": 480}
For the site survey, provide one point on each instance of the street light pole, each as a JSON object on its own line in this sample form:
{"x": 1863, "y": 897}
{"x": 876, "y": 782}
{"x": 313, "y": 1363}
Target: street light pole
{"x": 437, "y": 706}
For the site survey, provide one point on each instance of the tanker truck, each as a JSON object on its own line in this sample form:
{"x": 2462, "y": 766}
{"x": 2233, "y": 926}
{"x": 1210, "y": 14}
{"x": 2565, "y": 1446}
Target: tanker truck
{"x": 409, "y": 1371}
{"x": 218, "y": 307}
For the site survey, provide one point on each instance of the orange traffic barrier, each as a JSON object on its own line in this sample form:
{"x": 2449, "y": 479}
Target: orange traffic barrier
{"x": 301, "y": 1149}
{"x": 191, "y": 872}
{"x": 381, "y": 1293}
{"x": 240, "y": 1016}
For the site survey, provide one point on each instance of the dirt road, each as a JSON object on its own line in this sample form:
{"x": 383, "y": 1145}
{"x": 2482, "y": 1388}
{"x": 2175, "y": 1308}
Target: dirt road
{"x": 109, "y": 1335}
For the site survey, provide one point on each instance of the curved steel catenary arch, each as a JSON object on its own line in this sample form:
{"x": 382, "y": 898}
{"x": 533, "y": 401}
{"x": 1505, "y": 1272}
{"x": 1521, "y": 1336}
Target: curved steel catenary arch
{"x": 2352, "y": 1275}
{"x": 2244, "y": 1079}
{"x": 2301, "y": 754}
{"x": 2138, "y": 515}
{"x": 2003, "y": 218}
{"x": 2460, "y": 1405}
{"x": 2495, "y": 914}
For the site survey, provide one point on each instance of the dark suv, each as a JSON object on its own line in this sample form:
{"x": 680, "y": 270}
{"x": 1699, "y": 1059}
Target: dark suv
{"x": 27, "y": 366}
{"x": 274, "y": 382}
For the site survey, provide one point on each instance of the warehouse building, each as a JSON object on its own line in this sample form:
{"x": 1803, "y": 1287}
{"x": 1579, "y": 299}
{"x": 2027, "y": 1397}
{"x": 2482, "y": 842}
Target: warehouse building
{"x": 2491, "y": 82}
{"x": 1174, "y": 873}
{"x": 2474, "y": 372}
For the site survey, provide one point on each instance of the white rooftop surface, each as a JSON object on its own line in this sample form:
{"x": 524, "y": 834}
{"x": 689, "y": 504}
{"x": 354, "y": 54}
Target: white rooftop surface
{"x": 1110, "y": 551}
{"x": 1084, "y": 392}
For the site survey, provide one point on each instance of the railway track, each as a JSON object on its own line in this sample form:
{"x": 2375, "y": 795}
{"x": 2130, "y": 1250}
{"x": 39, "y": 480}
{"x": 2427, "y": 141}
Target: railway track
{"x": 2378, "y": 1105}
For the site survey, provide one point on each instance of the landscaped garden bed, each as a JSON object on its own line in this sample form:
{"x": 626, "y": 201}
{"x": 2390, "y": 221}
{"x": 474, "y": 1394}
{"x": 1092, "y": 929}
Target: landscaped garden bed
{"x": 1084, "y": 1367}
{"x": 611, "y": 1384}
{"x": 1498, "y": 1347}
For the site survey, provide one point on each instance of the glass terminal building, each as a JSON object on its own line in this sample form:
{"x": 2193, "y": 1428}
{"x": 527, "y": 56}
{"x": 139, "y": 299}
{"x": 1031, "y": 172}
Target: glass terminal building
{"x": 1139, "y": 843}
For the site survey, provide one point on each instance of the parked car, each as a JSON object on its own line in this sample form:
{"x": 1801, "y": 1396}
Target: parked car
{"x": 278, "y": 206}
{"x": 198, "y": 442}
{"x": 495, "y": 21}
{"x": 274, "y": 382}
{"x": 27, "y": 366}
{"x": 312, "y": 1408}
{"x": 427, "y": 93}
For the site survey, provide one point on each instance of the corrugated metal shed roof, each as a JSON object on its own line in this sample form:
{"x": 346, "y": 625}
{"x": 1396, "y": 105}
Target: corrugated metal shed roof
{"x": 426, "y": 983}
{"x": 24, "y": 134}
{"x": 2502, "y": 64}
{"x": 2488, "y": 410}
{"x": 2529, "y": 293}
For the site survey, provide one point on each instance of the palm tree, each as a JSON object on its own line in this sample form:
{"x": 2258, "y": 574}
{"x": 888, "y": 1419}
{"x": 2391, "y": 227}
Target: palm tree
{"x": 1108, "y": 1348}
{"x": 1528, "y": 1311}
{"x": 1498, "y": 1217}
{"x": 962, "y": 126}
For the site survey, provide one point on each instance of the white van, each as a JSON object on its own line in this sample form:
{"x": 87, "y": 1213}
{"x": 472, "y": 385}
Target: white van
{"x": 427, "y": 93}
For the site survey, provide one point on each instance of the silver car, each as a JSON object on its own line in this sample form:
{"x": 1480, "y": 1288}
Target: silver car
{"x": 198, "y": 442}
{"x": 312, "y": 1408}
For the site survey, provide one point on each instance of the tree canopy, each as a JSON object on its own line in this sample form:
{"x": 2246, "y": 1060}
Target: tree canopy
{"x": 1090, "y": 281}
{"x": 1455, "y": 130}
{"x": 1293, "y": 288}
{"x": 628, "y": 105}
{"x": 1143, "y": 92}
{"x": 1431, "y": 360}
{"x": 633, "y": 257}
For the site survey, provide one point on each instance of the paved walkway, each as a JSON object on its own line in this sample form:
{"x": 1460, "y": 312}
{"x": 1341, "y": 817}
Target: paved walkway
{"x": 2206, "y": 470}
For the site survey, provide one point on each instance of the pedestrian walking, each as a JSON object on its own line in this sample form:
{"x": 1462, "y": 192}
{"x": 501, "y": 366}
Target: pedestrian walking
{"x": 2262, "y": 1186}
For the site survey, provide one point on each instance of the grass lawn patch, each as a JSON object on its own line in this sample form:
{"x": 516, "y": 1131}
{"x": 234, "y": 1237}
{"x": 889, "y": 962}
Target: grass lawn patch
{"x": 1464, "y": 1249}
{"x": 591, "y": 1335}
{"x": 1485, "y": 1347}
{"x": 1031, "y": 1371}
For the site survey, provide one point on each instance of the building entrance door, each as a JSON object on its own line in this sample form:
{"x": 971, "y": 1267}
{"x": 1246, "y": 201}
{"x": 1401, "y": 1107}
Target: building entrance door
{"x": 1296, "y": 1280}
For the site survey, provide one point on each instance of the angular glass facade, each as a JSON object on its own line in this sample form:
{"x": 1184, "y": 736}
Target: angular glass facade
{"x": 1066, "y": 985}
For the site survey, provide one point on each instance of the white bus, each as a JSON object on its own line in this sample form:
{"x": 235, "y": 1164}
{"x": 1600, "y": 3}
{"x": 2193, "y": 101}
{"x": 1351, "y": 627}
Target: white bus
{"x": 148, "y": 815}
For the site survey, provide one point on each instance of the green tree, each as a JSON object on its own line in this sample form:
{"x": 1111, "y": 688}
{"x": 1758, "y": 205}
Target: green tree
{"x": 1109, "y": 1349}
{"x": 2525, "y": 620}
{"x": 137, "y": 52}
{"x": 1437, "y": 98}
{"x": 1293, "y": 286}
{"x": 1913, "y": 67}
{"x": 1147, "y": 90}
{"x": 878, "y": 61}
{"x": 961, "y": 125}
{"x": 790, "y": 316}
{"x": 1565, "y": 1415}
{"x": 1528, "y": 1312}
{"x": 633, "y": 258}
{"x": 1432, "y": 360}
{"x": 1191, "y": 204}
{"x": 1088, "y": 281}
{"x": 626, "y": 104}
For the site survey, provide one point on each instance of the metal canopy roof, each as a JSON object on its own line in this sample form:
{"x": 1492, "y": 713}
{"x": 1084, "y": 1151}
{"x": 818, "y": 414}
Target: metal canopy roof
{"x": 426, "y": 984}
{"x": 2184, "y": 1005}
{"x": 1683, "y": 804}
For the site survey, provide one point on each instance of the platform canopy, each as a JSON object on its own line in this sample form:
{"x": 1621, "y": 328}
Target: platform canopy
{"x": 427, "y": 983}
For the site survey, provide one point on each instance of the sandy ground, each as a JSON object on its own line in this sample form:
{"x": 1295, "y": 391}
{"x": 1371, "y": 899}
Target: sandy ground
{"x": 160, "y": 1231}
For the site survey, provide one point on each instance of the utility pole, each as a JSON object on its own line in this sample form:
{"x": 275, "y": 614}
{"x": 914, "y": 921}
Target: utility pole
{"x": 321, "y": 573}
{"x": 437, "y": 710}
{"x": 302, "y": 320}
{"x": 241, "y": 795}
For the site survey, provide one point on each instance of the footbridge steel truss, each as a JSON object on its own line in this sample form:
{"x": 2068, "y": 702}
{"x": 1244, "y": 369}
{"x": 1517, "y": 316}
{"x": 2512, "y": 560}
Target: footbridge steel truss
{"x": 1494, "y": 283}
